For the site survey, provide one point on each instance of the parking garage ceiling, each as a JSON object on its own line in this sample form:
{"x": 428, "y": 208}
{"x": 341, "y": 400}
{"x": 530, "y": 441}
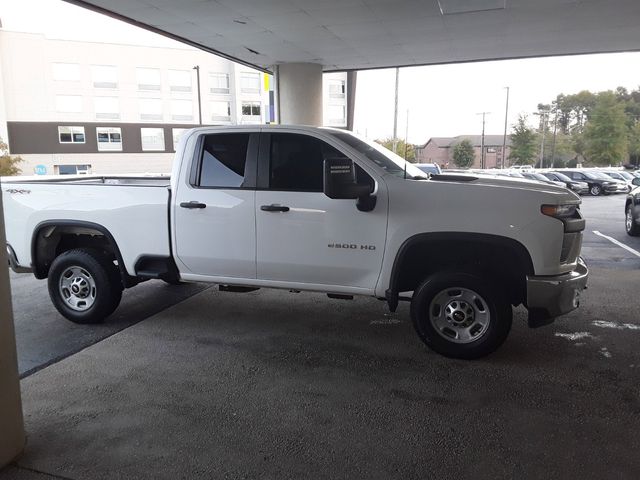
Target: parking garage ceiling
{"x": 363, "y": 34}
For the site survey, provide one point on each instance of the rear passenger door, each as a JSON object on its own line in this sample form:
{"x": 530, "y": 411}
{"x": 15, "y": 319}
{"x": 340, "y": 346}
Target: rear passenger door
{"x": 305, "y": 237}
{"x": 214, "y": 209}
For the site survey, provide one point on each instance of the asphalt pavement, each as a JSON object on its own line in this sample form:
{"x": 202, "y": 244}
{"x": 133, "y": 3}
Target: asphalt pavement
{"x": 277, "y": 385}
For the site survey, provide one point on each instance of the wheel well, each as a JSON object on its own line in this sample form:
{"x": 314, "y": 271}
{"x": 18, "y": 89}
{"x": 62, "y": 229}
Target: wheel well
{"x": 52, "y": 239}
{"x": 504, "y": 260}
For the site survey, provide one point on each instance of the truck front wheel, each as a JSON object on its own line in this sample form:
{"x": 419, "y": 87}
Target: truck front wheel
{"x": 84, "y": 285}
{"x": 461, "y": 315}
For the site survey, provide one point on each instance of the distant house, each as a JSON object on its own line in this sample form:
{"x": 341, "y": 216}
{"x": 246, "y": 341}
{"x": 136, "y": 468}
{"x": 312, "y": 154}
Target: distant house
{"x": 440, "y": 150}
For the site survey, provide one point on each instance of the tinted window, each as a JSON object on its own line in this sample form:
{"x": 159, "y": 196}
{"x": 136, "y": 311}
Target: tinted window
{"x": 223, "y": 160}
{"x": 297, "y": 162}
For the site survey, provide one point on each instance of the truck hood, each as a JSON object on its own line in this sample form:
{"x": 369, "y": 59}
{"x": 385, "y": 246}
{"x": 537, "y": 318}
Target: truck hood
{"x": 509, "y": 182}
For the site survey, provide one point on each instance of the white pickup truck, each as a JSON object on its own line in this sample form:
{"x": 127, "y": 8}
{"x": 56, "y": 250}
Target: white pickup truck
{"x": 314, "y": 209}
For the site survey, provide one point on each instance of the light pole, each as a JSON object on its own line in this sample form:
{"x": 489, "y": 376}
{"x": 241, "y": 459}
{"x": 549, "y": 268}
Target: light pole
{"x": 197, "y": 69}
{"x": 504, "y": 138}
{"x": 395, "y": 113}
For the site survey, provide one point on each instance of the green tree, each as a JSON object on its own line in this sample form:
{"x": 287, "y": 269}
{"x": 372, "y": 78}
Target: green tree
{"x": 401, "y": 148}
{"x": 634, "y": 144}
{"x": 8, "y": 164}
{"x": 606, "y": 133}
{"x": 463, "y": 154}
{"x": 523, "y": 143}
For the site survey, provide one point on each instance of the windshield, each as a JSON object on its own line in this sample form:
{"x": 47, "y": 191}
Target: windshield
{"x": 600, "y": 175}
{"x": 384, "y": 158}
{"x": 561, "y": 176}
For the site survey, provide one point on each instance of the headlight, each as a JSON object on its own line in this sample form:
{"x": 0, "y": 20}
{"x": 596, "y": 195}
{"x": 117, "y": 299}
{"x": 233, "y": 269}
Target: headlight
{"x": 559, "y": 211}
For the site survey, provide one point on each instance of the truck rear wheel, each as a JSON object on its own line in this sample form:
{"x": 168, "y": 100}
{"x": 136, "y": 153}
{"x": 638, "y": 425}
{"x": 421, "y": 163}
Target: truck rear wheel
{"x": 84, "y": 285}
{"x": 461, "y": 315}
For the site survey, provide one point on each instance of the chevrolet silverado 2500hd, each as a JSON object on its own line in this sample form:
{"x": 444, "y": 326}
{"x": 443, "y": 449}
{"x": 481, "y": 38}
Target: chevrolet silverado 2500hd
{"x": 314, "y": 209}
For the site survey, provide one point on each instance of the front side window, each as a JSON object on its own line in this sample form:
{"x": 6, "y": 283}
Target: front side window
{"x": 152, "y": 139}
{"x": 297, "y": 162}
{"x": 71, "y": 135}
{"x": 224, "y": 157}
{"x": 109, "y": 139}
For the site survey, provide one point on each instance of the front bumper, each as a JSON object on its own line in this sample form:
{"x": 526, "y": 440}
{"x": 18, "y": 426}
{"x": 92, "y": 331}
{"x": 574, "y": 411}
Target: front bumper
{"x": 550, "y": 297}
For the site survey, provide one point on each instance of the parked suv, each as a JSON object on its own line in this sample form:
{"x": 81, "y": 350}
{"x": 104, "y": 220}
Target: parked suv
{"x": 632, "y": 210}
{"x": 581, "y": 188}
{"x": 598, "y": 185}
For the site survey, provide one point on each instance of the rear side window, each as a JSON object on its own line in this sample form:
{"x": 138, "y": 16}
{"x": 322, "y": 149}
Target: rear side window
{"x": 224, "y": 157}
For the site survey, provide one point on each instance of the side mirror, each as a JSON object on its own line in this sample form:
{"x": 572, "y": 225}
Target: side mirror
{"x": 340, "y": 183}
{"x": 636, "y": 181}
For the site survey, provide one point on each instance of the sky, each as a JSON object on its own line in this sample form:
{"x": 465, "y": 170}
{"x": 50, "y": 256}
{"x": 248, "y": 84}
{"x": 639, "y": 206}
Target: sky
{"x": 441, "y": 100}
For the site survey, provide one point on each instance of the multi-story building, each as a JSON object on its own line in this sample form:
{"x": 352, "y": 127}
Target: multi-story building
{"x": 440, "y": 150}
{"x": 79, "y": 107}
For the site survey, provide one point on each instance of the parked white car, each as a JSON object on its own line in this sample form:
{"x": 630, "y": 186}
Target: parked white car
{"x": 313, "y": 209}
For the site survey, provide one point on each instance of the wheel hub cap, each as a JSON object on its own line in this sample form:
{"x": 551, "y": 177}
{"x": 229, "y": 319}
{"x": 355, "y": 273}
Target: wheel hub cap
{"x": 459, "y": 314}
{"x": 77, "y": 288}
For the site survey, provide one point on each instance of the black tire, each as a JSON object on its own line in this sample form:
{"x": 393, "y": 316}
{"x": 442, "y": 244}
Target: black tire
{"x": 631, "y": 226}
{"x": 174, "y": 282}
{"x": 595, "y": 190}
{"x": 492, "y": 302}
{"x": 83, "y": 266}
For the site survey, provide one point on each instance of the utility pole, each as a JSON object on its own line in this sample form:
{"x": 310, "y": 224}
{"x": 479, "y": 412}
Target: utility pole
{"x": 555, "y": 132}
{"x": 406, "y": 137}
{"x": 543, "y": 116}
{"x": 395, "y": 113}
{"x": 197, "y": 69}
{"x": 482, "y": 165}
{"x": 504, "y": 138}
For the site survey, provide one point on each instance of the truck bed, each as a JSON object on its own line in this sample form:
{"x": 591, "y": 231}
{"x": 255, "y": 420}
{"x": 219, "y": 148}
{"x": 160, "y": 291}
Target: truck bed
{"x": 133, "y": 210}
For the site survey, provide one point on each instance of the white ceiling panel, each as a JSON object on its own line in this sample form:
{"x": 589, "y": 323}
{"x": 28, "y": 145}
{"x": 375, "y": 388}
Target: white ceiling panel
{"x": 358, "y": 34}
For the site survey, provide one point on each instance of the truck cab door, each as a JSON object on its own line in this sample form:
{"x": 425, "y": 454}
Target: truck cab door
{"x": 305, "y": 237}
{"x": 214, "y": 208}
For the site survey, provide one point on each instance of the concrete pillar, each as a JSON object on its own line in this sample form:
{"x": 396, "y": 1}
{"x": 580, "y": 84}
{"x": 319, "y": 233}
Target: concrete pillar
{"x": 299, "y": 93}
{"x": 11, "y": 423}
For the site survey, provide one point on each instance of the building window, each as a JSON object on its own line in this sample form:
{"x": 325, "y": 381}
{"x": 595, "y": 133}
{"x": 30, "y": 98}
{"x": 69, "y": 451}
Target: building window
{"x": 182, "y": 110}
{"x": 104, "y": 76}
{"x": 73, "y": 169}
{"x": 150, "y": 109}
{"x": 221, "y": 111}
{"x": 250, "y": 82}
{"x": 109, "y": 139}
{"x": 180, "y": 80}
{"x": 337, "y": 113}
{"x": 177, "y": 135}
{"x": 336, "y": 89}
{"x": 69, "y": 103}
{"x": 152, "y": 139}
{"x": 491, "y": 150}
{"x": 219, "y": 82}
{"x": 66, "y": 72}
{"x": 71, "y": 135}
{"x": 107, "y": 108}
{"x": 148, "y": 78}
{"x": 250, "y": 109}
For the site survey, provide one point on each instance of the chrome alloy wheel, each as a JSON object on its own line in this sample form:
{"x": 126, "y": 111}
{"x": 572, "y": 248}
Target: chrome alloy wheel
{"x": 459, "y": 314}
{"x": 629, "y": 220}
{"x": 77, "y": 288}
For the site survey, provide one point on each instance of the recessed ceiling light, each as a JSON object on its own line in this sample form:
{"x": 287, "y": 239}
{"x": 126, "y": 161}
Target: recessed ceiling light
{"x": 452, "y": 7}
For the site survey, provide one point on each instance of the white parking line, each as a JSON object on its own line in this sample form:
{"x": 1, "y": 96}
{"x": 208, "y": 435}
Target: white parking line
{"x": 616, "y": 242}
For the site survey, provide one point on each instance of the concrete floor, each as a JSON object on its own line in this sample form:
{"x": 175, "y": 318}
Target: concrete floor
{"x": 277, "y": 385}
